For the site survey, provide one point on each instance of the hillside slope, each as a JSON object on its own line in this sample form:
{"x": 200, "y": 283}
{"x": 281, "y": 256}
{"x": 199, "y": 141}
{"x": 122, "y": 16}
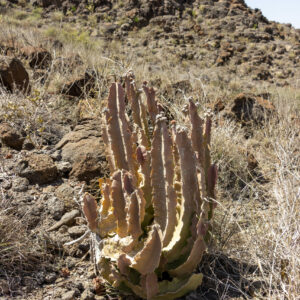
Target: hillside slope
{"x": 57, "y": 59}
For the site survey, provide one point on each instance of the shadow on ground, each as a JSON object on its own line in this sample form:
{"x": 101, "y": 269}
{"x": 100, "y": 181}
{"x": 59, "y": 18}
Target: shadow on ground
{"x": 226, "y": 278}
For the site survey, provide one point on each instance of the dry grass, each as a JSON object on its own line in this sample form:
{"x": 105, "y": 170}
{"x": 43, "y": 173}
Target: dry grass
{"x": 257, "y": 222}
{"x": 257, "y": 228}
{"x": 21, "y": 252}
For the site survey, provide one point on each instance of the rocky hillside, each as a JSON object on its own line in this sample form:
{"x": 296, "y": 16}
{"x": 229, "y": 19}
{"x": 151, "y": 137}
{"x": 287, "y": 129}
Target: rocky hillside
{"x": 57, "y": 59}
{"x": 226, "y": 34}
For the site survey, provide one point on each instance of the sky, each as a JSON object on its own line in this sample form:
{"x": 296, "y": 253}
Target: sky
{"x": 283, "y": 11}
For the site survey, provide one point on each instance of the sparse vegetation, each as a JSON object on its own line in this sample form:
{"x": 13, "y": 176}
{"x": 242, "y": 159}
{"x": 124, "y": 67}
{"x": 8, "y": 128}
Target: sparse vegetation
{"x": 255, "y": 237}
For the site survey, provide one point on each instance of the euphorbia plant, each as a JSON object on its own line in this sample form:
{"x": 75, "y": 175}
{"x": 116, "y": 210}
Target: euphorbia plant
{"x": 151, "y": 226}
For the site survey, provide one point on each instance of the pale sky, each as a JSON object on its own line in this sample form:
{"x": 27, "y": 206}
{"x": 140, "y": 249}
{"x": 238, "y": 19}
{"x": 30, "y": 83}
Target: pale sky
{"x": 283, "y": 11}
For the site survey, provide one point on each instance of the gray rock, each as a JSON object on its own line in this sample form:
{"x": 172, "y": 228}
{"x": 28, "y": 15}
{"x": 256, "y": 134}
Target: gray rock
{"x": 65, "y": 193}
{"x": 20, "y": 184}
{"x": 87, "y": 295}
{"x": 77, "y": 231}
{"x": 67, "y": 219}
{"x": 55, "y": 207}
{"x": 56, "y": 155}
{"x": 6, "y": 184}
{"x": 64, "y": 167}
{"x": 70, "y": 295}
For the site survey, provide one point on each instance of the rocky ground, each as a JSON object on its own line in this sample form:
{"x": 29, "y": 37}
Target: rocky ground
{"x": 57, "y": 59}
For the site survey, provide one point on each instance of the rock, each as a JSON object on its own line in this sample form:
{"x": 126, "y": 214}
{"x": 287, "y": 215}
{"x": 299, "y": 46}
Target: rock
{"x": 11, "y": 137}
{"x": 109, "y": 29}
{"x": 67, "y": 219}
{"x": 20, "y": 184}
{"x": 56, "y": 155}
{"x": 86, "y": 168}
{"x": 218, "y": 106}
{"x": 81, "y": 86}
{"x": 6, "y": 184}
{"x": 261, "y": 74}
{"x": 84, "y": 149}
{"x": 70, "y": 295}
{"x": 47, "y": 3}
{"x": 64, "y": 167}
{"x": 38, "y": 57}
{"x": 38, "y": 168}
{"x": 28, "y": 145}
{"x": 56, "y": 208}
{"x": 65, "y": 193}
{"x": 77, "y": 231}
{"x": 84, "y": 246}
{"x": 87, "y": 295}
{"x": 248, "y": 108}
{"x": 125, "y": 27}
{"x": 13, "y": 74}
{"x": 50, "y": 277}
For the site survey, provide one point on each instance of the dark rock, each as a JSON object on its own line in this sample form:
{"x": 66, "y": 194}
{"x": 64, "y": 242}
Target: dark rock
{"x": 84, "y": 246}
{"x": 50, "y": 277}
{"x": 248, "y": 108}
{"x": 38, "y": 57}
{"x": 47, "y": 3}
{"x": 81, "y": 86}
{"x": 261, "y": 74}
{"x": 38, "y": 168}
{"x": 218, "y": 106}
{"x": 13, "y": 74}
{"x": 11, "y": 137}
{"x": 28, "y": 145}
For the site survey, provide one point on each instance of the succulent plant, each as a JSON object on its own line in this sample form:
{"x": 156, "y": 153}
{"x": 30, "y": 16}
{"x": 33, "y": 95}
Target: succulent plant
{"x": 152, "y": 224}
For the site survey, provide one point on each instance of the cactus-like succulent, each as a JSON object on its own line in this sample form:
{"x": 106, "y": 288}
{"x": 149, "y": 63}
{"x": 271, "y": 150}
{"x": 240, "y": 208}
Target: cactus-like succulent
{"x": 151, "y": 227}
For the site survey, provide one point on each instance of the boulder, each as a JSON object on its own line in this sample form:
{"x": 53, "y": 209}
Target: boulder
{"x": 47, "y": 3}
{"x": 11, "y": 137}
{"x": 250, "y": 108}
{"x": 84, "y": 149}
{"x": 38, "y": 57}
{"x": 13, "y": 74}
{"x": 80, "y": 86}
{"x": 38, "y": 168}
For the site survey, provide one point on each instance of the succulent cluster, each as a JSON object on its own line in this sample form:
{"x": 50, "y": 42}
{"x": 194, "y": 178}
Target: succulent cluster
{"x": 151, "y": 227}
